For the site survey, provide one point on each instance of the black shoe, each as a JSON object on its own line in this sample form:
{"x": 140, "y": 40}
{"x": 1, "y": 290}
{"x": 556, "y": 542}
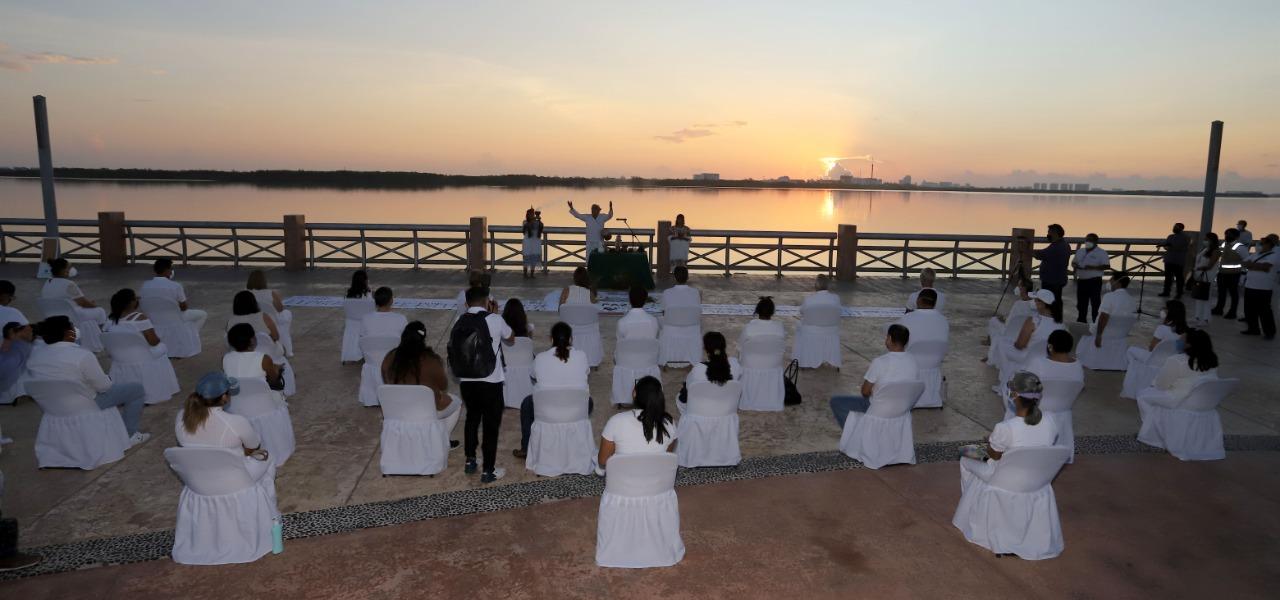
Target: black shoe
{"x": 518, "y": 453}
{"x": 493, "y": 475}
{"x": 20, "y": 561}
{"x": 454, "y": 444}
{"x": 1250, "y": 332}
{"x": 471, "y": 467}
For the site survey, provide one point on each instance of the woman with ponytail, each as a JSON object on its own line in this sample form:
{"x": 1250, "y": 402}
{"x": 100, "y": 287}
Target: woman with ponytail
{"x": 718, "y": 368}
{"x": 1027, "y": 428}
{"x": 125, "y": 316}
{"x": 561, "y": 367}
{"x": 202, "y": 423}
{"x": 646, "y": 428}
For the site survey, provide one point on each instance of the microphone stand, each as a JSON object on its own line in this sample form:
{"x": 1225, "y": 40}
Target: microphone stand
{"x": 1017, "y": 274}
{"x": 634, "y": 240}
{"x": 1142, "y": 290}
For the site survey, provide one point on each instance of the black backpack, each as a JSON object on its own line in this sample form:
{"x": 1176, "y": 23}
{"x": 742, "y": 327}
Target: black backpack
{"x": 471, "y": 354}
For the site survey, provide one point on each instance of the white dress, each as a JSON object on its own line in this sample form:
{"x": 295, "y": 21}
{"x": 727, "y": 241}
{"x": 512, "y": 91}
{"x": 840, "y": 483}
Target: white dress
{"x": 156, "y": 374}
{"x": 578, "y": 295}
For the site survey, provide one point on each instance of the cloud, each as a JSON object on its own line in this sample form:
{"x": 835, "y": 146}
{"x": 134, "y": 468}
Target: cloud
{"x": 697, "y": 130}
{"x": 13, "y": 65}
{"x": 724, "y": 124}
{"x": 66, "y": 59}
{"x": 157, "y": 72}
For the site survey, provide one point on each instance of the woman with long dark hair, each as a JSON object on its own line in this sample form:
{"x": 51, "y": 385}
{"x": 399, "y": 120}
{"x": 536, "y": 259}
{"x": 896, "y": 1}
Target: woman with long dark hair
{"x": 561, "y": 367}
{"x": 125, "y": 316}
{"x": 646, "y": 428}
{"x": 513, "y": 313}
{"x": 413, "y": 362}
{"x": 718, "y": 368}
{"x": 1182, "y": 372}
{"x": 244, "y": 309}
{"x": 272, "y": 305}
{"x": 581, "y": 291}
{"x": 359, "y": 285}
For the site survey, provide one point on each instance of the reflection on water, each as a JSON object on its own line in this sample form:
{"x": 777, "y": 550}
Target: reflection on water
{"x": 709, "y": 208}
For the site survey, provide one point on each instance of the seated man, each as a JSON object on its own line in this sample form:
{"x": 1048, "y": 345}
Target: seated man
{"x": 894, "y": 365}
{"x": 163, "y": 286}
{"x": 382, "y": 322}
{"x": 927, "y": 277}
{"x": 60, "y": 286}
{"x": 63, "y": 360}
{"x": 821, "y": 295}
{"x": 638, "y": 324}
{"x": 925, "y": 322}
{"x": 680, "y": 294}
{"x": 1057, "y": 364}
{"x": 9, "y": 314}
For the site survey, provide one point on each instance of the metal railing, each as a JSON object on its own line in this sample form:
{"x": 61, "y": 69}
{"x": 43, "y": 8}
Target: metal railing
{"x": 777, "y": 252}
{"x": 213, "y": 243}
{"x": 562, "y": 247}
{"x": 331, "y": 244}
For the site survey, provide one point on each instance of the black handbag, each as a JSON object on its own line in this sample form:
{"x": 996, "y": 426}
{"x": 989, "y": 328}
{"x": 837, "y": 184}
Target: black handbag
{"x": 791, "y": 377}
{"x": 1200, "y": 288}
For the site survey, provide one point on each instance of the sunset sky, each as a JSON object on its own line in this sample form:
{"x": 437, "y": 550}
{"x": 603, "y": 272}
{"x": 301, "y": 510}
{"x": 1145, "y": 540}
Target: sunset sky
{"x": 1108, "y": 92}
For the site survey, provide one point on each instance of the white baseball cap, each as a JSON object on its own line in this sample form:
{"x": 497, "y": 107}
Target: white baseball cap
{"x": 1044, "y": 296}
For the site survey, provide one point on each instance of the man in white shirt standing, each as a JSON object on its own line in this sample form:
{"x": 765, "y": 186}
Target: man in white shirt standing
{"x": 163, "y": 286}
{"x": 1259, "y": 285}
{"x": 9, "y": 314}
{"x": 681, "y": 294}
{"x": 637, "y": 323}
{"x": 925, "y": 323}
{"x": 595, "y": 226}
{"x": 894, "y": 365}
{"x": 481, "y": 393}
{"x": 927, "y": 277}
{"x": 63, "y": 360}
{"x": 1091, "y": 263}
{"x": 382, "y": 322}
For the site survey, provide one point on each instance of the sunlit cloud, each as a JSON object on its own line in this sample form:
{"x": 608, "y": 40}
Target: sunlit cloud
{"x": 697, "y": 130}
{"x": 66, "y": 59}
{"x": 13, "y": 65}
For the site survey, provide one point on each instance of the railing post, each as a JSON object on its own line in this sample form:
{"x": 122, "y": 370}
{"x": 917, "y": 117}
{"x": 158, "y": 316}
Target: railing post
{"x": 846, "y": 252}
{"x": 295, "y": 242}
{"x": 1020, "y": 253}
{"x": 779, "y": 261}
{"x": 476, "y": 246}
{"x": 663, "y": 265}
{"x": 111, "y": 238}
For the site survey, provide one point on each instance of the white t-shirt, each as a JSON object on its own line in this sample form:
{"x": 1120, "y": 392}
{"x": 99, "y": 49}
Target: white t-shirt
{"x": 1015, "y": 433}
{"x": 926, "y": 325}
{"x": 627, "y": 433}
{"x": 220, "y": 430}
{"x": 1046, "y": 368}
{"x": 551, "y": 372}
{"x": 915, "y": 296}
{"x": 9, "y": 314}
{"x": 1118, "y": 302}
{"x": 699, "y": 372}
{"x": 498, "y": 330}
{"x": 761, "y": 328}
{"x": 1164, "y": 333}
{"x": 638, "y": 324}
{"x": 682, "y": 295}
{"x": 68, "y": 361}
{"x": 163, "y": 287}
{"x": 1091, "y": 264}
{"x": 820, "y": 298}
{"x": 892, "y": 367}
{"x": 130, "y": 322}
{"x": 383, "y": 324}
{"x": 594, "y": 225}
{"x": 61, "y": 287}
{"x": 1260, "y": 280}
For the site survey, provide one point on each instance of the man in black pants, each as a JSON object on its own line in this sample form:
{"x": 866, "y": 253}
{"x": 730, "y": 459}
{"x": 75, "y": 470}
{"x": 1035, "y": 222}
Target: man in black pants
{"x": 1232, "y": 267}
{"x": 1091, "y": 264}
{"x": 1053, "y": 267}
{"x": 1259, "y": 284}
{"x": 483, "y": 395}
{"x": 1175, "y": 260}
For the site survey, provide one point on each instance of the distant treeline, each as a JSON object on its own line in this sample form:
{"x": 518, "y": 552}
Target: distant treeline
{"x": 413, "y": 180}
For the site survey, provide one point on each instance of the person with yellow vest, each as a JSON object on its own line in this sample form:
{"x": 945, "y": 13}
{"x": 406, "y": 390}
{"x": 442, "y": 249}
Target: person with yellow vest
{"x": 1232, "y": 267}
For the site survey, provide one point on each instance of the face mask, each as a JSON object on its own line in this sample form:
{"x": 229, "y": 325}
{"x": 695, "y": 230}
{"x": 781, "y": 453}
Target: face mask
{"x": 72, "y": 273}
{"x": 1180, "y": 346}
{"x": 75, "y": 332}
{"x": 173, "y": 273}
{"x": 1164, "y": 315}
{"x": 1090, "y": 245}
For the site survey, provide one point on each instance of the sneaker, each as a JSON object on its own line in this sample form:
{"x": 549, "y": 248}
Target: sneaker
{"x": 454, "y": 445}
{"x": 518, "y": 453}
{"x": 471, "y": 467}
{"x": 19, "y": 561}
{"x": 138, "y": 438}
{"x": 497, "y": 474}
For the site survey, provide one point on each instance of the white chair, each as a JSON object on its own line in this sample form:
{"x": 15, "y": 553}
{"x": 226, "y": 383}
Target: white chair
{"x": 415, "y": 440}
{"x": 518, "y": 372}
{"x": 224, "y": 514}
{"x": 272, "y": 349}
{"x": 638, "y": 525}
{"x": 269, "y": 416}
{"x": 882, "y": 435}
{"x": 1003, "y": 334}
{"x": 560, "y": 440}
{"x": 1057, "y": 400}
{"x": 585, "y": 321}
{"x": 283, "y": 319}
{"x": 818, "y": 337}
{"x": 73, "y": 431}
{"x": 1111, "y": 356}
{"x": 132, "y": 361}
{"x": 762, "y": 387}
{"x": 632, "y": 360}
{"x": 1011, "y": 509}
{"x": 929, "y": 355}
{"x": 180, "y": 336}
{"x": 1192, "y": 430}
{"x": 374, "y": 349}
{"x": 90, "y": 337}
{"x": 680, "y": 340}
{"x": 1144, "y": 366}
{"x": 354, "y": 310}
{"x": 708, "y": 429}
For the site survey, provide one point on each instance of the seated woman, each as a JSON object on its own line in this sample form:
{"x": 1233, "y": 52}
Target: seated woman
{"x": 646, "y": 428}
{"x": 413, "y": 362}
{"x": 1173, "y": 326}
{"x": 60, "y": 286}
{"x": 1182, "y": 372}
{"x": 1027, "y": 428}
{"x": 202, "y": 423}
{"x": 245, "y": 361}
{"x": 581, "y": 291}
{"x": 272, "y": 306}
{"x": 763, "y": 324}
{"x": 718, "y": 368}
{"x": 245, "y": 310}
{"x": 561, "y": 367}
{"x": 126, "y": 317}
{"x": 513, "y": 313}
{"x": 1035, "y": 333}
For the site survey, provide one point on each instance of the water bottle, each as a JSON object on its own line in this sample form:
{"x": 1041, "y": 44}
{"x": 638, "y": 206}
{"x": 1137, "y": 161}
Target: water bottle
{"x": 277, "y": 535}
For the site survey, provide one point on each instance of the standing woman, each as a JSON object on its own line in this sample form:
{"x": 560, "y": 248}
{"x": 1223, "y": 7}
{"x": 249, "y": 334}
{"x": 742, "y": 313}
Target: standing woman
{"x": 1205, "y": 271}
{"x": 645, "y": 429}
{"x": 679, "y": 243}
{"x": 531, "y": 247}
{"x": 271, "y": 304}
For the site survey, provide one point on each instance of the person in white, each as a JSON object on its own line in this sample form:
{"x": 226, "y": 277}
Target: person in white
{"x": 580, "y": 291}
{"x": 413, "y": 362}
{"x": 763, "y": 325}
{"x": 1246, "y": 236}
{"x": 1203, "y": 274}
{"x": 125, "y": 316}
{"x": 270, "y": 302}
{"x": 245, "y": 309}
{"x": 1259, "y": 286}
{"x": 1057, "y": 364}
{"x": 1034, "y": 334}
{"x": 927, "y": 277}
{"x": 561, "y": 367}
{"x": 382, "y": 322}
{"x": 718, "y": 368}
{"x": 203, "y": 423}
{"x": 531, "y": 243}
{"x": 1028, "y": 428}
{"x": 926, "y": 323}
{"x": 1182, "y": 372}
{"x": 163, "y": 286}
{"x": 637, "y": 323}
{"x": 246, "y": 361}
{"x": 9, "y": 314}
{"x": 60, "y": 286}
{"x": 1021, "y": 309}
{"x": 645, "y": 429}
{"x": 1173, "y": 326}
{"x": 594, "y": 225}
{"x": 821, "y": 295}
{"x": 483, "y": 395}
{"x": 681, "y": 294}
{"x": 62, "y": 360}
{"x": 1091, "y": 263}
{"x": 893, "y": 366}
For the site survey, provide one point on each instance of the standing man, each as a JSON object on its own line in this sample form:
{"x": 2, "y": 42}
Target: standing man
{"x": 1053, "y": 267}
{"x": 595, "y": 226}
{"x": 1229, "y": 271}
{"x": 1091, "y": 263}
{"x": 475, "y": 356}
{"x": 1259, "y": 283}
{"x": 1175, "y": 260}
{"x": 1246, "y": 236}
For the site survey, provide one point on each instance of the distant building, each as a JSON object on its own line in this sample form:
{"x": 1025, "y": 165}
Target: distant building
{"x": 783, "y": 179}
{"x": 1038, "y": 187}
{"x": 859, "y": 180}
{"x": 906, "y": 180}
{"x": 1053, "y": 187}
{"x": 1080, "y": 187}
{"x": 706, "y": 177}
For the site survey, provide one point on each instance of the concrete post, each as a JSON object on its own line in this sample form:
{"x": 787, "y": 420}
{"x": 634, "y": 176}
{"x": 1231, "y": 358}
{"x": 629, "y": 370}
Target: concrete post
{"x": 477, "y": 244}
{"x": 111, "y": 239}
{"x": 1020, "y": 257}
{"x": 846, "y": 253}
{"x": 664, "y": 250}
{"x": 295, "y": 242}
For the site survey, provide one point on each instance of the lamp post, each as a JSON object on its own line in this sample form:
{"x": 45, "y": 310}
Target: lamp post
{"x": 50, "y": 249}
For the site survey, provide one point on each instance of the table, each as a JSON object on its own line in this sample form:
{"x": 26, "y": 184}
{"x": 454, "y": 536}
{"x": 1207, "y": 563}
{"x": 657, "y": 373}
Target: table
{"x": 620, "y": 270}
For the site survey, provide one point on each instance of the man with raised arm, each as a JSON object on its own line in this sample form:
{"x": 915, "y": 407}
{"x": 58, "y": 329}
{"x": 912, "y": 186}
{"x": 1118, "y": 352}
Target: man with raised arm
{"x": 595, "y": 226}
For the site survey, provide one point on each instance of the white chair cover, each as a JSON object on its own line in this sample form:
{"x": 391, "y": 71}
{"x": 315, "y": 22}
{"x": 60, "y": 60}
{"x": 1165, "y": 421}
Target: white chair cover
{"x": 679, "y": 250}
{"x": 882, "y": 435}
{"x": 283, "y": 319}
{"x": 1012, "y": 511}
{"x": 818, "y": 337}
{"x": 639, "y": 522}
{"x": 1002, "y": 333}
{"x": 415, "y": 441}
{"x": 354, "y": 309}
{"x": 180, "y": 336}
{"x": 374, "y": 349}
{"x": 133, "y": 362}
{"x": 1193, "y": 429}
{"x": 73, "y": 431}
{"x": 708, "y": 429}
{"x": 518, "y": 383}
{"x": 224, "y": 515}
{"x": 269, "y": 416}
{"x": 90, "y": 331}
{"x": 762, "y": 387}
{"x": 929, "y": 355}
{"x": 1144, "y": 366}
{"x": 585, "y": 321}
{"x": 633, "y": 359}
{"x": 1111, "y": 356}
{"x": 680, "y": 340}
{"x": 560, "y": 441}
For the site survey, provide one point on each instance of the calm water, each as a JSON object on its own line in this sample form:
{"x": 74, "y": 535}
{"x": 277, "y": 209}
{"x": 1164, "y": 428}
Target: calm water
{"x": 785, "y": 210}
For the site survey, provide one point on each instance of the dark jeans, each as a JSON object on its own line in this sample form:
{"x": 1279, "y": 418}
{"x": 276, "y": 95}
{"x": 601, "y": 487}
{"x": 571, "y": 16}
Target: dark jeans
{"x": 1173, "y": 275}
{"x": 1088, "y": 295}
{"x": 1228, "y": 283}
{"x": 841, "y": 406}
{"x": 1257, "y": 311}
{"x": 526, "y": 419}
{"x": 484, "y": 405}
{"x": 1056, "y": 288}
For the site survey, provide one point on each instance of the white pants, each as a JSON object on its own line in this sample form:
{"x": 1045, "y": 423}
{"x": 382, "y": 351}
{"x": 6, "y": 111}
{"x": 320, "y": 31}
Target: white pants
{"x": 596, "y": 246}
{"x": 450, "y": 414}
{"x": 196, "y": 317}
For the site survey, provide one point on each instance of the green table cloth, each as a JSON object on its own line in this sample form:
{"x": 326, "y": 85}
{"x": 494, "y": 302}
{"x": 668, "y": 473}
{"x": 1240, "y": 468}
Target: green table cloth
{"x": 620, "y": 270}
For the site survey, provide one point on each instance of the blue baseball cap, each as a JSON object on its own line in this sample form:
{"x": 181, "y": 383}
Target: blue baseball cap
{"x": 215, "y": 383}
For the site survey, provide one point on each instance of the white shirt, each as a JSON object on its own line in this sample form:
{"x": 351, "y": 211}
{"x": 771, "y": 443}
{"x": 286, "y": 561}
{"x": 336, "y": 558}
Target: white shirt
{"x": 220, "y": 430}
{"x": 939, "y": 305}
{"x": 926, "y": 324}
{"x": 1118, "y": 302}
{"x": 9, "y": 314}
{"x": 67, "y": 361}
{"x": 892, "y": 367}
{"x": 681, "y": 295}
{"x": 820, "y": 298}
{"x": 1015, "y": 433}
{"x": 594, "y": 225}
{"x": 578, "y": 295}
{"x": 1261, "y": 280}
{"x": 1091, "y": 264}
{"x": 1165, "y": 333}
{"x": 61, "y": 287}
{"x": 1046, "y": 368}
{"x": 551, "y": 372}
{"x": 130, "y": 322}
{"x": 760, "y": 328}
{"x": 383, "y": 324}
{"x": 163, "y": 287}
{"x": 1177, "y": 378}
{"x": 498, "y": 330}
{"x": 627, "y": 433}
{"x": 699, "y": 372}
{"x": 638, "y": 324}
